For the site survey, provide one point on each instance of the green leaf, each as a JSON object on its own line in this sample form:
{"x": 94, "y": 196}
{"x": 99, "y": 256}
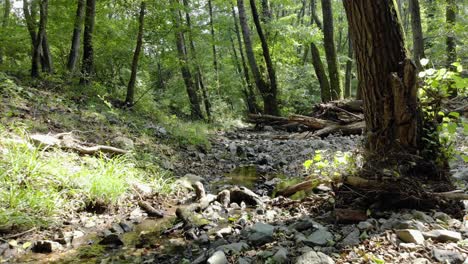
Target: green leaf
{"x": 27, "y": 245}
{"x": 307, "y": 164}
{"x": 317, "y": 157}
{"x": 377, "y": 260}
{"x": 454, "y": 114}
{"x": 458, "y": 66}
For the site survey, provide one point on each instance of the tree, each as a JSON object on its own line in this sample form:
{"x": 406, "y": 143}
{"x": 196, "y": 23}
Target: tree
{"x": 330, "y": 50}
{"x": 195, "y": 110}
{"x": 75, "y": 42}
{"x": 213, "y": 44}
{"x": 450, "y": 18}
{"x": 6, "y": 18}
{"x": 349, "y": 66}
{"x": 136, "y": 56}
{"x": 386, "y": 76}
{"x": 418, "y": 40}
{"x": 87, "y": 67}
{"x": 270, "y": 104}
{"x": 39, "y": 39}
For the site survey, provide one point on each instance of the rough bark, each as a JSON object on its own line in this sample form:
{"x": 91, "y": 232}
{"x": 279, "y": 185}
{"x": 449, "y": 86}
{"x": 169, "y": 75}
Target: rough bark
{"x": 320, "y": 72}
{"x": 386, "y": 76}
{"x": 195, "y": 109}
{"x": 73, "y": 55}
{"x": 330, "y": 51}
{"x": 252, "y": 106}
{"x": 136, "y": 56}
{"x": 213, "y": 43}
{"x": 46, "y": 56}
{"x": 269, "y": 98}
{"x": 87, "y": 67}
{"x": 262, "y": 86}
{"x": 450, "y": 18}
{"x": 418, "y": 40}
{"x": 349, "y": 67}
{"x": 6, "y": 18}
{"x": 39, "y": 39}
{"x": 199, "y": 82}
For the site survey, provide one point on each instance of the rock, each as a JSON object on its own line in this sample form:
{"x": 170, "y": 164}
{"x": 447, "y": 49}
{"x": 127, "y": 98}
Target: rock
{"x": 260, "y": 234}
{"x": 264, "y": 159}
{"x": 203, "y": 239}
{"x": 443, "y": 235}
{"x": 442, "y": 216}
{"x": 224, "y": 197}
{"x": 313, "y": 257}
{"x": 143, "y": 189}
{"x": 305, "y": 224}
{"x": 352, "y": 239}
{"x": 123, "y": 143}
{"x": 111, "y": 240}
{"x": 234, "y": 247}
{"x": 281, "y": 256}
{"x": 242, "y": 194}
{"x": 410, "y": 236}
{"x": 234, "y": 206}
{"x": 321, "y": 237}
{"x": 447, "y": 256}
{"x": 410, "y": 246}
{"x": 206, "y": 201}
{"x": 116, "y": 228}
{"x": 199, "y": 190}
{"x": 217, "y": 258}
{"x": 244, "y": 260}
{"x": 454, "y": 223}
{"x": 224, "y": 231}
{"x": 422, "y": 217}
{"x": 365, "y": 225}
{"x": 421, "y": 261}
{"x": 126, "y": 227}
{"x": 46, "y": 246}
{"x": 410, "y": 224}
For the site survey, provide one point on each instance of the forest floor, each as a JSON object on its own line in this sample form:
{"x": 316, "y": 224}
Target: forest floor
{"x": 238, "y": 219}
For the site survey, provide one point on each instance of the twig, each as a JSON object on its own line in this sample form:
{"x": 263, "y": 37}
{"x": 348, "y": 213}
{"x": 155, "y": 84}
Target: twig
{"x": 20, "y": 234}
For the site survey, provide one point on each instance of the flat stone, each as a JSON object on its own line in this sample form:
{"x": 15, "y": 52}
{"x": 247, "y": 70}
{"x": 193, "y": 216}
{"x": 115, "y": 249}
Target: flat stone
{"x": 443, "y": 235}
{"x": 421, "y": 261}
{"x": 410, "y": 236}
{"x": 313, "y": 257}
{"x": 260, "y": 234}
{"x": 422, "y": 217}
{"x": 305, "y": 224}
{"x": 217, "y": 258}
{"x": 352, "y": 239}
{"x": 321, "y": 237}
{"x": 126, "y": 227}
{"x": 46, "y": 246}
{"x": 447, "y": 256}
{"x": 442, "y": 216}
{"x": 281, "y": 256}
{"x": 111, "y": 240}
{"x": 234, "y": 247}
{"x": 116, "y": 228}
{"x": 365, "y": 225}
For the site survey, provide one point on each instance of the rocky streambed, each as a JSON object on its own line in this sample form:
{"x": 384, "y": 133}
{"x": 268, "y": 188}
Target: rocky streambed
{"x": 225, "y": 213}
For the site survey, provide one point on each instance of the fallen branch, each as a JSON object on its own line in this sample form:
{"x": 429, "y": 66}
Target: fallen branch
{"x": 150, "y": 210}
{"x": 303, "y": 186}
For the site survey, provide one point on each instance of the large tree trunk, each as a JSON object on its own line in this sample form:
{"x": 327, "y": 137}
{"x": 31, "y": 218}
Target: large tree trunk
{"x": 320, "y": 72}
{"x": 387, "y": 77}
{"x": 73, "y": 56}
{"x": 349, "y": 67}
{"x": 6, "y": 18}
{"x": 198, "y": 72}
{"x": 136, "y": 56}
{"x": 262, "y": 86}
{"x": 39, "y": 39}
{"x": 195, "y": 109}
{"x": 252, "y": 107}
{"x": 330, "y": 51}
{"x": 418, "y": 40}
{"x": 46, "y": 56}
{"x": 87, "y": 67}
{"x": 269, "y": 98}
{"x": 450, "y": 18}
{"x": 213, "y": 43}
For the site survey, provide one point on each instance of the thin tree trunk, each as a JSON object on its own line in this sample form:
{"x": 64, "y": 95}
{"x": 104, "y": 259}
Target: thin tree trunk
{"x": 349, "y": 66}
{"x": 252, "y": 106}
{"x": 46, "y": 56}
{"x": 330, "y": 51}
{"x": 387, "y": 77}
{"x": 418, "y": 40}
{"x": 262, "y": 86}
{"x": 271, "y": 105}
{"x": 6, "y": 18}
{"x": 198, "y": 75}
{"x": 450, "y": 18}
{"x": 87, "y": 67}
{"x": 136, "y": 56}
{"x": 315, "y": 17}
{"x": 75, "y": 42}
{"x": 320, "y": 72}
{"x": 39, "y": 39}
{"x": 195, "y": 109}
{"x": 213, "y": 43}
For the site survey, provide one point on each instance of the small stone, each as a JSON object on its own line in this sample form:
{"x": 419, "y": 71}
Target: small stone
{"x": 224, "y": 197}
{"x": 243, "y": 195}
{"x": 364, "y": 225}
{"x": 126, "y": 227}
{"x": 116, "y": 228}
{"x": 443, "y": 235}
{"x": 234, "y": 206}
{"x": 281, "y": 256}
{"x": 217, "y": 258}
{"x": 352, "y": 239}
{"x": 421, "y": 261}
{"x": 199, "y": 190}
{"x": 203, "y": 239}
{"x": 442, "y": 216}
{"x": 321, "y": 237}
{"x": 409, "y": 246}
{"x": 111, "y": 240}
{"x": 410, "y": 236}
{"x": 422, "y": 217}
{"x": 123, "y": 143}
{"x": 224, "y": 231}
{"x": 234, "y": 247}
{"x": 244, "y": 260}
{"x": 46, "y": 246}
{"x": 313, "y": 257}
{"x": 305, "y": 224}
{"x": 447, "y": 256}
{"x": 261, "y": 233}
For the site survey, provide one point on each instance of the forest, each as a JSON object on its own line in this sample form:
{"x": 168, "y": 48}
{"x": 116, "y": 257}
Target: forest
{"x": 233, "y": 131}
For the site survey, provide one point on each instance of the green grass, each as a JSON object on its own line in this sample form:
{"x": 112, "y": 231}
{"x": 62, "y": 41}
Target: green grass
{"x": 37, "y": 185}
